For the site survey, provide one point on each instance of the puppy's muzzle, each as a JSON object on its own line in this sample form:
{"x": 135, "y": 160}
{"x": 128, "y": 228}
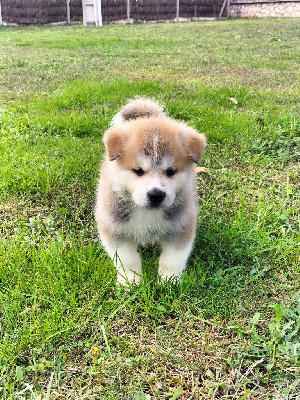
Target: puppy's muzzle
{"x": 155, "y": 198}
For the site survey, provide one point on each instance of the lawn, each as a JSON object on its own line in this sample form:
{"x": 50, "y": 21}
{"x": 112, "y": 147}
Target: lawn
{"x": 230, "y": 328}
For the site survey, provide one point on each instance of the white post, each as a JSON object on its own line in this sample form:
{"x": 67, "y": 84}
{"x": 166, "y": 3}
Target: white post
{"x": 0, "y": 15}
{"x": 222, "y": 9}
{"x": 177, "y": 10}
{"x": 97, "y": 12}
{"x": 68, "y": 12}
{"x": 228, "y": 9}
{"x": 128, "y": 11}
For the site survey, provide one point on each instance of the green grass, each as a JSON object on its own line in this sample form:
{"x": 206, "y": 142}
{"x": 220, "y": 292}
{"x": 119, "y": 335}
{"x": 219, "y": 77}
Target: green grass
{"x": 231, "y": 327}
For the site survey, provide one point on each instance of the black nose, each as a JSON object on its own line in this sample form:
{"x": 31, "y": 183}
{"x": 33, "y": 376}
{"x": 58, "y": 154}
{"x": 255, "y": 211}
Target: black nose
{"x": 156, "y": 197}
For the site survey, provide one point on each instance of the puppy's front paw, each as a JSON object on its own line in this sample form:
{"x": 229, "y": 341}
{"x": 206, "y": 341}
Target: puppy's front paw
{"x": 173, "y": 260}
{"x": 128, "y": 277}
{"x": 167, "y": 273}
{"x": 127, "y": 262}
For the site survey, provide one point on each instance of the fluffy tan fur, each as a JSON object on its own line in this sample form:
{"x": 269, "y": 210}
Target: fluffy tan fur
{"x": 147, "y": 191}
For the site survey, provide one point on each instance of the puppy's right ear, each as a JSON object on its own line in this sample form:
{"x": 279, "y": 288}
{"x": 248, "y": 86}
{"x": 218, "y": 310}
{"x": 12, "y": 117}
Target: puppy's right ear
{"x": 114, "y": 140}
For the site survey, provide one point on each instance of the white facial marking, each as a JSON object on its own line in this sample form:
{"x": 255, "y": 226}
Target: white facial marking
{"x": 155, "y": 149}
{"x": 166, "y": 163}
{"x": 144, "y": 162}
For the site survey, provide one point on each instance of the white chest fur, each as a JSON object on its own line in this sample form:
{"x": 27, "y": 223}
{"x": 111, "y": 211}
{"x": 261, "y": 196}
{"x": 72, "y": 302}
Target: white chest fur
{"x": 146, "y": 226}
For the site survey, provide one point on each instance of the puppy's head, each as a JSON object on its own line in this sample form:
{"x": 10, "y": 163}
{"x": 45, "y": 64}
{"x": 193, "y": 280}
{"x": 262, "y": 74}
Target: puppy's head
{"x": 153, "y": 159}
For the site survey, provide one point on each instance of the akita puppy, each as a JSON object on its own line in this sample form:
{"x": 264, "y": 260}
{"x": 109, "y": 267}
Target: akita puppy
{"x": 147, "y": 189}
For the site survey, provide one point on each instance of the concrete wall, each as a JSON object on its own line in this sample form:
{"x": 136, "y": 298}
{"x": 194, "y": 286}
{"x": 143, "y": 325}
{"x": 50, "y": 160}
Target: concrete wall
{"x": 264, "y": 9}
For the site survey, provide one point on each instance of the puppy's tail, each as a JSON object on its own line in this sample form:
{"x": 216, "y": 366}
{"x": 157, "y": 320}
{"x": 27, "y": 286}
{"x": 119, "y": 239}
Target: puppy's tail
{"x": 138, "y": 108}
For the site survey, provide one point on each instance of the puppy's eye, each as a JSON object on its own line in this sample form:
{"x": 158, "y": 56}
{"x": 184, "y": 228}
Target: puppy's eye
{"x": 138, "y": 171}
{"x": 170, "y": 172}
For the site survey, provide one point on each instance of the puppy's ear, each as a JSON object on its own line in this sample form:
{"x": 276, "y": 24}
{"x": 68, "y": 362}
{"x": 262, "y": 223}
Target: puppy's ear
{"x": 193, "y": 142}
{"x": 114, "y": 140}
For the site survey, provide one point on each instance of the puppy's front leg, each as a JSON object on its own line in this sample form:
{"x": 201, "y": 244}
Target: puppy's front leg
{"x": 173, "y": 259}
{"x": 126, "y": 260}
{"x": 128, "y": 263}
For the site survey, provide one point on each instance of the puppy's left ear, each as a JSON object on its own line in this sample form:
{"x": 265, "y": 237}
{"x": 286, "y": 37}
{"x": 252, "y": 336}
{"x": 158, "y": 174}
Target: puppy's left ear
{"x": 193, "y": 142}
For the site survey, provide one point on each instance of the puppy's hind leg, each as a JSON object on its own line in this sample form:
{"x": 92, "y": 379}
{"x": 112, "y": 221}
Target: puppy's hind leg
{"x": 173, "y": 259}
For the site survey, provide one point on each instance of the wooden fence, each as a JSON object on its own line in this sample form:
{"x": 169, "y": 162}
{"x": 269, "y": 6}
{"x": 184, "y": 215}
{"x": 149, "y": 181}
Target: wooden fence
{"x": 27, "y": 12}
{"x": 32, "y": 12}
